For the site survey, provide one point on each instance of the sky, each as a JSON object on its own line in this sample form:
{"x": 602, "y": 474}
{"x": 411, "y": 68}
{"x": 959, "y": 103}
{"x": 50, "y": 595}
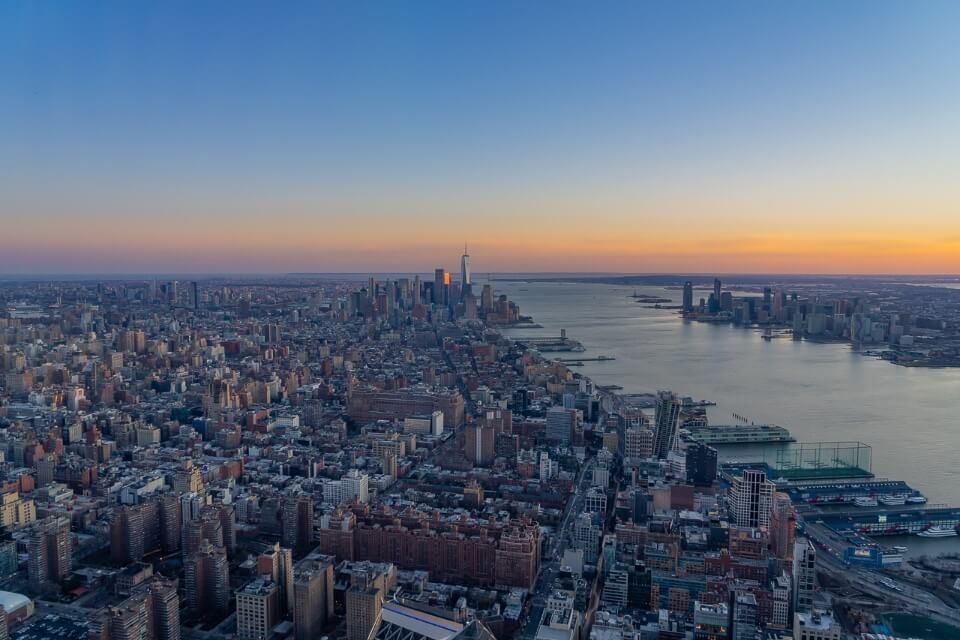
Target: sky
{"x": 728, "y": 137}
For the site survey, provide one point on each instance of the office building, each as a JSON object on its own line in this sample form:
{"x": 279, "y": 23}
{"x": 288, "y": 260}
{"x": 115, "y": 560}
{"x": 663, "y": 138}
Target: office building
{"x": 560, "y": 425}
{"x": 744, "y": 616}
{"x": 687, "y": 297}
{"x": 804, "y": 575}
{"x": 701, "y": 464}
{"x": 465, "y": 275}
{"x": 666, "y": 423}
{"x": 750, "y": 499}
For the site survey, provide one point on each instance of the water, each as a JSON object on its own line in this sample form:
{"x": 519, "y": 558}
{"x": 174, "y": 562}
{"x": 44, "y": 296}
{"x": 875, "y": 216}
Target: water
{"x": 818, "y": 391}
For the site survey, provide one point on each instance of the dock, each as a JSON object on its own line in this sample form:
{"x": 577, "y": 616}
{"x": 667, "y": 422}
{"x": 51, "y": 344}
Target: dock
{"x": 741, "y": 434}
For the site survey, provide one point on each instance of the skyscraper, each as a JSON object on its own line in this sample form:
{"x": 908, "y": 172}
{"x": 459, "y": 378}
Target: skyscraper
{"x": 465, "y": 277}
{"x": 207, "y": 578}
{"x": 439, "y": 287}
{"x": 750, "y": 499}
{"x": 667, "y": 418}
{"x": 687, "y": 296}
{"x": 804, "y": 575}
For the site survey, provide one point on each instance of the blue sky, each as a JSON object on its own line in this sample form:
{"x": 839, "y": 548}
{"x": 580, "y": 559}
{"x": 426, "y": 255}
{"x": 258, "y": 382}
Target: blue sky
{"x": 429, "y": 122}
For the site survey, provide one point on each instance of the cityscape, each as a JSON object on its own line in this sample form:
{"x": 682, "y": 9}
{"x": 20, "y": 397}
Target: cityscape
{"x": 626, "y": 320}
{"x": 308, "y": 456}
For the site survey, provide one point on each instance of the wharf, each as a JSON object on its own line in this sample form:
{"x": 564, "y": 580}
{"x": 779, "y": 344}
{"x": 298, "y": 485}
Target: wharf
{"x": 740, "y": 434}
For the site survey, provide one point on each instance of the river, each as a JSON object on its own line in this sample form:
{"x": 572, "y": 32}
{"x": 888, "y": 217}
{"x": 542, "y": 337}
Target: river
{"x": 820, "y": 392}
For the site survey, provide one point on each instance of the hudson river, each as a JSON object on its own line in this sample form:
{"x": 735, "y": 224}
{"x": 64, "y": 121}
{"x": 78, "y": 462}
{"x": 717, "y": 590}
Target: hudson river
{"x": 818, "y": 391}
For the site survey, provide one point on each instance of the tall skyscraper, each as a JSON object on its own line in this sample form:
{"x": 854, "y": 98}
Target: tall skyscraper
{"x": 667, "y": 419}
{"x": 465, "y": 277}
{"x": 439, "y": 287}
{"x": 717, "y": 285}
{"x": 687, "y": 296}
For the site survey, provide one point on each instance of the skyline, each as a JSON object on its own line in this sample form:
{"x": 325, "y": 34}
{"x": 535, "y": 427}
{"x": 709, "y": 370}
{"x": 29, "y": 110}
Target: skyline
{"x": 687, "y": 138}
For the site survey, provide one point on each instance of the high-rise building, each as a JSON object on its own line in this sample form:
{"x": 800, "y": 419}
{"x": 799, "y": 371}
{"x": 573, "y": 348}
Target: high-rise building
{"x": 439, "y": 287}
{"x": 744, "y": 616}
{"x": 356, "y": 487}
{"x": 206, "y": 577}
{"x": 296, "y": 514}
{"x": 667, "y": 419}
{"x": 364, "y": 602}
{"x": 277, "y": 564}
{"x": 127, "y": 535}
{"x": 151, "y": 612}
{"x": 560, "y": 424}
{"x": 258, "y": 609}
{"x": 465, "y": 276}
{"x": 750, "y": 499}
{"x": 687, "y": 296}
{"x": 783, "y": 526}
{"x": 638, "y": 443}
{"x": 479, "y": 444}
{"x": 804, "y": 575}
{"x": 170, "y": 522}
{"x": 50, "y": 552}
{"x": 701, "y": 464}
{"x": 586, "y": 536}
{"x": 187, "y": 478}
{"x": 312, "y": 599}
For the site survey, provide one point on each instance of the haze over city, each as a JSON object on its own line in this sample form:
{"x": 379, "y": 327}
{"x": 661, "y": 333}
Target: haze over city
{"x": 673, "y": 137}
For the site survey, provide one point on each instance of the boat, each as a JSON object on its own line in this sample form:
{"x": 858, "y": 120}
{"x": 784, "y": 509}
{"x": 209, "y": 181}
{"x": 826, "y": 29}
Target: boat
{"x": 899, "y": 548}
{"x": 893, "y": 500}
{"x": 938, "y": 532}
{"x": 865, "y": 501}
{"x": 917, "y": 499}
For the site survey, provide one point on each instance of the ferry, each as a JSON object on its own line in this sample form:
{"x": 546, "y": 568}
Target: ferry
{"x": 917, "y": 499}
{"x": 938, "y": 532}
{"x": 893, "y": 500}
{"x": 865, "y": 501}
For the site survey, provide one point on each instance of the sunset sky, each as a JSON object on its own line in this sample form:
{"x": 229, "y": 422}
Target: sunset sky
{"x": 813, "y": 137}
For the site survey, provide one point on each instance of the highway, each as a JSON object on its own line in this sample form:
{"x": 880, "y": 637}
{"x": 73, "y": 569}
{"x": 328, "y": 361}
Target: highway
{"x": 903, "y": 596}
